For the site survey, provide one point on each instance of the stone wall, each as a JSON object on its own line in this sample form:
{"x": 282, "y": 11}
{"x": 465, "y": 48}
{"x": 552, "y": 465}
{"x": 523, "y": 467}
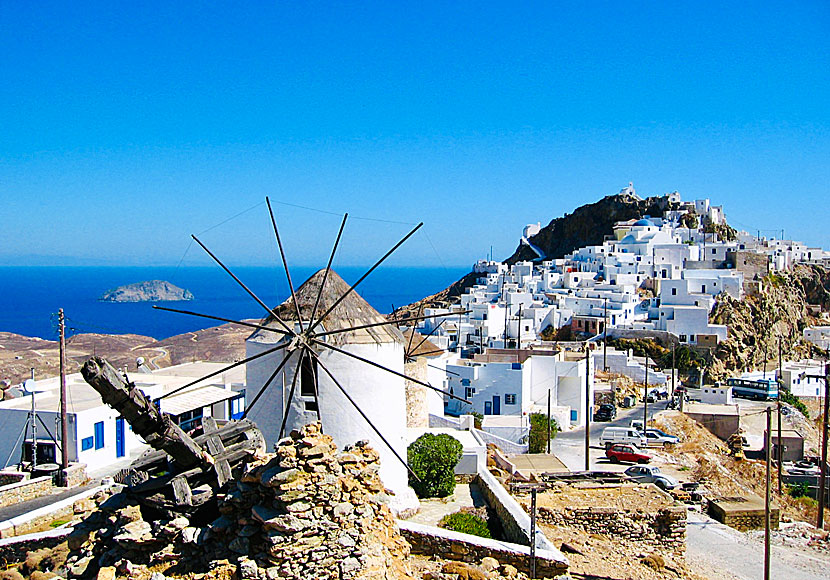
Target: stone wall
{"x": 76, "y": 475}
{"x": 514, "y": 519}
{"x": 13, "y": 550}
{"x": 417, "y": 407}
{"x": 664, "y": 529}
{"x": 749, "y": 518}
{"x": 25, "y": 490}
{"x": 9, "y": 477}
{"x": 451, "y": 545}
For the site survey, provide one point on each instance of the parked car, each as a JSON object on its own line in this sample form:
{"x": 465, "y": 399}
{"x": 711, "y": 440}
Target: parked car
{"x": 651, "y": 474}
{"x": 658, "y": 437}
{"x": 625, "y": 452}
{"x": 606, "y": 412}
{"x": 629, "y": 435}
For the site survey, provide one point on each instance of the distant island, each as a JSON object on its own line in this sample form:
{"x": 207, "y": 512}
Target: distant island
{"x": 150, "y": 291}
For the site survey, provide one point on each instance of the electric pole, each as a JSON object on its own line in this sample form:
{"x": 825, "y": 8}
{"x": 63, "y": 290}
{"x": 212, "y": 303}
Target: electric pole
{"x": 605, "y": 336}
{"x": 645, "y": 399}
{"x": 548, "y": 421}
{"x": 822, "y": 480}
{"x": 64, "y": 425}
{"x": 778, "y": 382}
{"x": 587, "y": 408}
{"x": 766, "y": 497}
{"x": 672, "y": 370}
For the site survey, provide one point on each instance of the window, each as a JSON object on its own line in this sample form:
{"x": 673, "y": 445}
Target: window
{"x": 469, "y": 392}
{"x": 465, "y": 382}
{"x": 682, "y": 338}
{"x": 516, "y": 366}
{"x": 99, "y": 435}
{"x": 238, "y": 406}
{"x": 189, "y": 420}
{"x": 674, "y": 291}
{"x": 510, "y": 399}
{"x": 87, "y": 443}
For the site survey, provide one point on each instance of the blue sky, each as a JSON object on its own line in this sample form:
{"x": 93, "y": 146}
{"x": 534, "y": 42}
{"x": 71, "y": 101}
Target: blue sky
{"x": 125, "y": 128}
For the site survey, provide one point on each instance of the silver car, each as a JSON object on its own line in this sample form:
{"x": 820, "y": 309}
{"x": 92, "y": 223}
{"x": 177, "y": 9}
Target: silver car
{"x": 658, "y": 437}
{"x": 651, "y": 474}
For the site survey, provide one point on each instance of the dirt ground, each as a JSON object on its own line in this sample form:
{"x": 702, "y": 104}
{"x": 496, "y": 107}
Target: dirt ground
{"x": 702, "y": 457}
{"x": 644, "y": 497}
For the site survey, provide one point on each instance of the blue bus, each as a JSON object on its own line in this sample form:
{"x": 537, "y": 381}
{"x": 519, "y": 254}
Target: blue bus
{"x": 762, "y": 389}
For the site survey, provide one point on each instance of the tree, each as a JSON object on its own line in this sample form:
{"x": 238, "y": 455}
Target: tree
{"x": 538, "y": 438}
{"x": 433, "y": 459}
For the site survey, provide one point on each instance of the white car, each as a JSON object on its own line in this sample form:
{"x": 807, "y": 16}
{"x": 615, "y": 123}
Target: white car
{"x": 658, "y": 437}
{"x": 651, "y": 474}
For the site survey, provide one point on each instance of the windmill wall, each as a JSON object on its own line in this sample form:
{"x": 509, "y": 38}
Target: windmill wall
{"x": 417, "y": 404}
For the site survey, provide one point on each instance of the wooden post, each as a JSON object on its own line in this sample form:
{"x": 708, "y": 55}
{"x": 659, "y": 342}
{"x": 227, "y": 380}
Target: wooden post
{"x": 548, "y": 421}
{"x": 63, "y": 409}
{"x": 766, "y": 496}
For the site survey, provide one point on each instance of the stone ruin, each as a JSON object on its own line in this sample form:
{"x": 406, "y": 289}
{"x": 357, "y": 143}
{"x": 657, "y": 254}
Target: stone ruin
{"x": 306, "y": 511}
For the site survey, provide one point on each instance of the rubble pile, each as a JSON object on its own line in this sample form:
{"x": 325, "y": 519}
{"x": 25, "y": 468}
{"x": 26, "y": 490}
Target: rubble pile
{"x": 305, "y": 511}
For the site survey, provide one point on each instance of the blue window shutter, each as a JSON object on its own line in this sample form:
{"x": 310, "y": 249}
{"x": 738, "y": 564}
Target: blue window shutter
{"x": 99, "y": 435}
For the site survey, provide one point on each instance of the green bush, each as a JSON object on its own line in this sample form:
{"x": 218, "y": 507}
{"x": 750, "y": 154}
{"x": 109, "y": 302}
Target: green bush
{"x": 433, "y": 459}
{"x": 466, "y": 523}
{"x": 538, "y": 439}
{"x": 800, "y": 489}
{"x": 788, "y": 397}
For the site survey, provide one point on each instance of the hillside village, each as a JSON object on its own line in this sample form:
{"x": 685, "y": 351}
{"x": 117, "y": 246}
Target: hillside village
{"x": 653, "y": 333}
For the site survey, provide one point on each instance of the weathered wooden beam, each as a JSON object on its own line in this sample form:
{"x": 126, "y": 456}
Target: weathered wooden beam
{"x": 147, "y": 421}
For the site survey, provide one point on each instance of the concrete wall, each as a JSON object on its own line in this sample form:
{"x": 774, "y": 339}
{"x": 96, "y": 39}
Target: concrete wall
{"x": 721, "y": 426}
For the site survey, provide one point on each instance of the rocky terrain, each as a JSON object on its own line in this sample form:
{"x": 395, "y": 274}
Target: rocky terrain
{"x": 305, "y": 511}
{"x": 150, "y": 291}
{"x": 756, "y": 323}
{"x": 19, "y": 354}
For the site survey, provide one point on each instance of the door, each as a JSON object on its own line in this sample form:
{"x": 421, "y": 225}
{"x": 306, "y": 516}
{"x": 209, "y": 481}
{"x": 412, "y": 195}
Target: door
{"x": 119, "y": 437}
{"x": 496, "y": 405}
{"x": 488, "y": 408}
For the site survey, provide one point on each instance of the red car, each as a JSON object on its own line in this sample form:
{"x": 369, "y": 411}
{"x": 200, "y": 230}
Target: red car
{"x": 625, "y": 452}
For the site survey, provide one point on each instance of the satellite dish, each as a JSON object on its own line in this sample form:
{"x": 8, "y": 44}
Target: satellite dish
{"x": 29, "y": 386}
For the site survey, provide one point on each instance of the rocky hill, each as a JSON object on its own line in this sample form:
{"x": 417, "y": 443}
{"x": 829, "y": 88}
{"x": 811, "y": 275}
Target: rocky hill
{"x": 588, "y": 225}
{"x": 150, "y": 291}
{"x": 756, "y": 323}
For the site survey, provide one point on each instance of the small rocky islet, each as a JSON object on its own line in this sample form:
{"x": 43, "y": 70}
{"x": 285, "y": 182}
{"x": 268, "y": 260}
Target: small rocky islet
{"x": 149, "y": 291}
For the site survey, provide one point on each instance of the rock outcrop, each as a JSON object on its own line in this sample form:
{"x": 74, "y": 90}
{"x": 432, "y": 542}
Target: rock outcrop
{"x": 305, "y": 511}
{"x": 150, "y": 291}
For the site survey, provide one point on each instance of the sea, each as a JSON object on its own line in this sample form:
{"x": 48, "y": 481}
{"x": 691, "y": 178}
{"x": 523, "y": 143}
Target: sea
{"x": 31, "y": 296}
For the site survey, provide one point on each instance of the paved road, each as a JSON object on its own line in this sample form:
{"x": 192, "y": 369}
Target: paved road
{"x": 717, "y": 551}
{"x": 569, "y": 446}
{"x": 19, "y": 509}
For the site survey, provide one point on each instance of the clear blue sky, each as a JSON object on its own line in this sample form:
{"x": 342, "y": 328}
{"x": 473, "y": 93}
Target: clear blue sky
{"x": 124, "y": 128}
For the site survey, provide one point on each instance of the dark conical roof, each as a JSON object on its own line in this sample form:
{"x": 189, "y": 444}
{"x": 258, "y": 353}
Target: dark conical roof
{"x": 352, "y": 311}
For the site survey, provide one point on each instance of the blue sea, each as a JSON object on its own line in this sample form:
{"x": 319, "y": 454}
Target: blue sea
{"x": 31, "y": 296}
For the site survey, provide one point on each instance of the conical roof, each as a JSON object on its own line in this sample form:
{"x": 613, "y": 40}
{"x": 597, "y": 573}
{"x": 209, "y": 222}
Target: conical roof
{"x": 352, "y": 311}
{"x": 420, "y": 345}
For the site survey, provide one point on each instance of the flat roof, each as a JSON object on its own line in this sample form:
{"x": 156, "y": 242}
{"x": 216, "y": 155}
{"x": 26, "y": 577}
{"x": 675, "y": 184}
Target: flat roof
{"x": 82, "y": 397}
{"x": 707, "y": 409}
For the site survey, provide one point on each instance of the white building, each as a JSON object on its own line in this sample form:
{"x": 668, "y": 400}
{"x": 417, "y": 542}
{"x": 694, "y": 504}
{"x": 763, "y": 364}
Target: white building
{"x": 818, "y": 335}
{"x": 98, "y": 436}
{"x": 794, "y": 378}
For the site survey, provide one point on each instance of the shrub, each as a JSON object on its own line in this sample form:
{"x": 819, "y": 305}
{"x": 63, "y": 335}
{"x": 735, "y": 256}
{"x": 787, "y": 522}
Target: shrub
{"x": 466, "y": 523}
{"x": 477, "y": 419}
{"x": 433, "y": 459}
{"x": 789, "y": 398}
{"x": 800, "y": 489}
{"x": 538, "y": 439}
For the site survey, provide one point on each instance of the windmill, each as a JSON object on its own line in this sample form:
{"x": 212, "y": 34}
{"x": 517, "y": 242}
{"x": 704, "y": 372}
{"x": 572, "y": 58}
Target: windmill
{"x": 325, "y": 354}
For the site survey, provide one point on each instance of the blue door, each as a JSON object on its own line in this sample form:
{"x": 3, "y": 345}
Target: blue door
{"x": 119, "y": 437}
{"x": 488, "y": 408}
{"x": 496, "y": 405}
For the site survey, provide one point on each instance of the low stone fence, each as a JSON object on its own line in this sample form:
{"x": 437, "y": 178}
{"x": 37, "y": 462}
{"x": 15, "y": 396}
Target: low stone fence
{"x": 17, "y": 549}
{"x": 514, "y": 519}
{"x": 451, "y": 545}
{"x": 76, "y": 475}
{"x": 40, "y": 518}
{"x": 10, "y": 477}
{"x": 25, "y": 490}
{"x": 664, "y": 529}
{"x": 502, "y": 443}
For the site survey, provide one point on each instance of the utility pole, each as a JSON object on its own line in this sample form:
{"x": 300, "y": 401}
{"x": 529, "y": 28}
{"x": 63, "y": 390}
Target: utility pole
{"x": 605, "y": 336}
{"x": 533, "y": 533}
{"x": 548, "y": 421}
{"x": 766, "y": 497}
{"x": 34, "y": 427}
{"x": 587, "y": 408}
{"x": 778, "y": 382}
{"x": 519, "y": 326}
{"x": 64, "y": 422}
{"x": 822, "y": 491}
{"x": 672, "y": 371}
{"x": 645, "y": 399}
